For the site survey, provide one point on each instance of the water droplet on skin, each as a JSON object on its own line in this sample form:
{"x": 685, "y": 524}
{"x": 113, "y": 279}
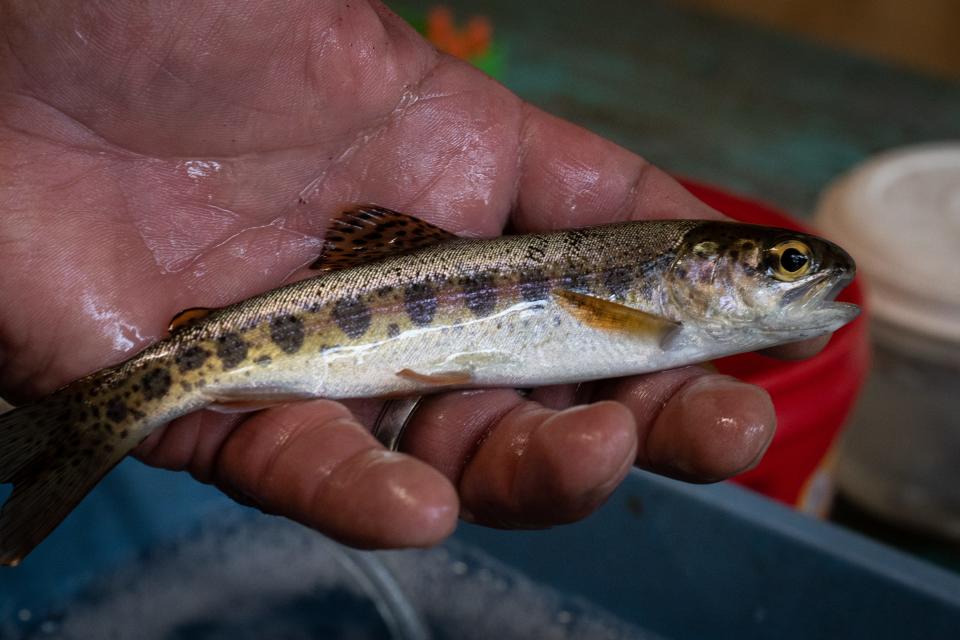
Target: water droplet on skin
{"x": 122, "y": 336}
{"x": 198, "y": 169}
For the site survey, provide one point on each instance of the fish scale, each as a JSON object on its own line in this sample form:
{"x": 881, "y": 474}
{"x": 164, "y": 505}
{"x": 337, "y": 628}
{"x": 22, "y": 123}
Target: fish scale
{"x": 403, "y": 307}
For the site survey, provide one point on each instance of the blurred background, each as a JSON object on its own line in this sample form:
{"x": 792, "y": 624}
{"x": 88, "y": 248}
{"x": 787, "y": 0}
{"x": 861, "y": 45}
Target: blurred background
{"x": 839, "y": 116}
{"x": 920, "y": 35}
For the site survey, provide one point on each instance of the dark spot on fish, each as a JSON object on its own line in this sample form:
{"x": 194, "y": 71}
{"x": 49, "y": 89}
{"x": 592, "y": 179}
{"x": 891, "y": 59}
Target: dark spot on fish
{"x": 287, "y": 333}
{"x": 618, "y": 281}
{"x": 574, "y": 238}
{"x": 393, "y": 330}
{"x": 156, "y": 383}
{"x": 116, "y": 410}
{"x": 420, "y": 301}
{"x": 734, "y": 254}
{"x": 186, "y": 386}
{"x": 124, "y": 433}
{"x": 536, "y": 251}
{"x": 135, "y": 388}
{"x": 191, "y": 358}
{"x": 108, "y": 448}
{"x": 681, "y": 273}
{"x": 534, "y": 286}
{"x": 263, "y": 361}
{"x": 231, "y": 349}
{"x": 352, "y": 316}
{"x": 480, "y": 294}
{"x": 94, "y": 411}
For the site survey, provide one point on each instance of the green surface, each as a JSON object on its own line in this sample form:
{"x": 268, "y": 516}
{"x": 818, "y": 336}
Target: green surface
{"x": 750, "y": 110}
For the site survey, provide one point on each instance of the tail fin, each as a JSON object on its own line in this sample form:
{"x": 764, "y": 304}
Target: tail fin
{"x": 53, "y": 452}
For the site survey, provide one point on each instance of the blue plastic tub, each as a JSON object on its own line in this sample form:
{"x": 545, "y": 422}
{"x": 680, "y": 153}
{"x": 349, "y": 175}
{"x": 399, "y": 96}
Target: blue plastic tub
{"x": 154, "y": 554}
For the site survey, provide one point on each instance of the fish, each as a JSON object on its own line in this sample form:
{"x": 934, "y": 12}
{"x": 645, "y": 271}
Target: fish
{"x": 401, "y": 307}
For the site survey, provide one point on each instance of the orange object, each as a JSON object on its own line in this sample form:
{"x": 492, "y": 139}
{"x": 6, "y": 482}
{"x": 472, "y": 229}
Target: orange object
{"x": 467, "y": 43}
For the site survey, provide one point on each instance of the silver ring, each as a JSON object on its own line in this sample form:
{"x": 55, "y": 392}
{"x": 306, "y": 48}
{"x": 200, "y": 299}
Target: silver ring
{"x": 393, "y": 419}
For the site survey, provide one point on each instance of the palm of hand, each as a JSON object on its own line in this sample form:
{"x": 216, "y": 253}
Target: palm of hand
{"x": 156, "y": 160}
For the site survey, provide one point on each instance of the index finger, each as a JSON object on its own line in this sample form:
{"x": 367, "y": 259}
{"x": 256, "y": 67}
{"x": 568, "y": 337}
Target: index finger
{"x": 570, "y": 177}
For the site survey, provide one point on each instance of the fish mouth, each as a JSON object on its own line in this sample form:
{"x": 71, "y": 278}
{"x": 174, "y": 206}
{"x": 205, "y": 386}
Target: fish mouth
{"x": 813, "y": 310}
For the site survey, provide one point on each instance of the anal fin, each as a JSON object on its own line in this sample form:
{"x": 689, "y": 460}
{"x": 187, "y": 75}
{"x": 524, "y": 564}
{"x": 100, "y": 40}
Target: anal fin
{"x": 611, "y": 316}
{"x": 253, "y": 400}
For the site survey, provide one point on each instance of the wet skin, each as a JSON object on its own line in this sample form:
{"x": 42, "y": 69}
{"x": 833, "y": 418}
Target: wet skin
{"x": 191, "y": 154}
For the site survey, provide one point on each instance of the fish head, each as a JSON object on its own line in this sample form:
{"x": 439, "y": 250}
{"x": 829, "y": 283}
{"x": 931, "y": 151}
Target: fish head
{"x": 733, "y": 278}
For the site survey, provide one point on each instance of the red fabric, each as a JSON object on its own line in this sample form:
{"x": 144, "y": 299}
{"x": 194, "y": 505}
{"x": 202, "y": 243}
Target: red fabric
{"x": 814, "y": 397}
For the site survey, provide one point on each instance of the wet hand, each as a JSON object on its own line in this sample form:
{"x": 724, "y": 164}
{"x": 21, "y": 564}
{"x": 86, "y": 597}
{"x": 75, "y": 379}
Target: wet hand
{"x": 162, "y": 157}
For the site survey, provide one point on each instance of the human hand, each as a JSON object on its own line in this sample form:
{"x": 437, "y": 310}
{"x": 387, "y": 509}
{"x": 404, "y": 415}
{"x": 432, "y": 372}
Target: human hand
{"x": 165, "y": 155}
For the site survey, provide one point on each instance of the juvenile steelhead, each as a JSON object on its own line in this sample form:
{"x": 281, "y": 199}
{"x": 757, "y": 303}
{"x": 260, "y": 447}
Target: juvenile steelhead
{"x": 403, "y": 307}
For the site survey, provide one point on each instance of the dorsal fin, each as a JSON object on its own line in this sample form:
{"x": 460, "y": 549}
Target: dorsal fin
{"x": 188, "y": 318}
{"x": 369, "y": 233}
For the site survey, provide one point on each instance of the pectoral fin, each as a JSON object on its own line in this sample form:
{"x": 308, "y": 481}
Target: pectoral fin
{"x": 611, "y": 316}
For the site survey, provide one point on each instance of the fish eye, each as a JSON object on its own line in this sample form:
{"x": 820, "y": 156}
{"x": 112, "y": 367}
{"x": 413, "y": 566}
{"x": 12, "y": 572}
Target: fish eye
{"x": 790, "y": 260}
